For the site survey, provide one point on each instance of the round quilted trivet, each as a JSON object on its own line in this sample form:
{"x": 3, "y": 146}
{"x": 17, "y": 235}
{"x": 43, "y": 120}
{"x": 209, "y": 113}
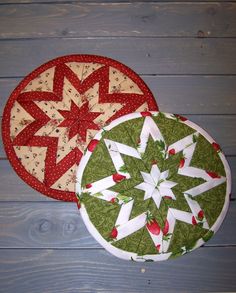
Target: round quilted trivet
{"x": 55, "y": 111}
{"x": 153, "y": 186}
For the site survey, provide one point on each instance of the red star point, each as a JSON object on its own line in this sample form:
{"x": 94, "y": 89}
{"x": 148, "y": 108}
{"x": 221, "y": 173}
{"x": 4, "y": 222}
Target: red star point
{"x": 78, "y": 120}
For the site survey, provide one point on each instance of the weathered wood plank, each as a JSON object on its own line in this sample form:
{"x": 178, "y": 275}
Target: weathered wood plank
{"x": 97, "y": 271}
{"x": 118, "y": 19}
{"x": 145, "y": 56}
{"x": 42, "y": 225}
{"x": 12, "y": 188}
{"x": 194, "y": 94}
{"x": 220, "y": 127}
{"x": 97, "y": 1}
{"x": 198, "y": 94}
{"x": 59, "y": 225}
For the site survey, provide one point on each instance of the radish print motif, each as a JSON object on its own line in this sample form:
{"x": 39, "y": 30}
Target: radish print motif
{"x": 149, "y": 170}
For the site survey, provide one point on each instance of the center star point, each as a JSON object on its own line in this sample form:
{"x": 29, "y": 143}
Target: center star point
{"x": 78, "y": 120}
{"x": 155, "y": 185}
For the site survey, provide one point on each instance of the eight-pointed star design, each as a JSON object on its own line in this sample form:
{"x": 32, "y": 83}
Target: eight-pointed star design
{"x": 156, "y": 185}
{"x": 78, "y": 120}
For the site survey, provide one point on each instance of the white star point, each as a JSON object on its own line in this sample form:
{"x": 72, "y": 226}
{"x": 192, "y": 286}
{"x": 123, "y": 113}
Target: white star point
{"x": 155, "y": 185}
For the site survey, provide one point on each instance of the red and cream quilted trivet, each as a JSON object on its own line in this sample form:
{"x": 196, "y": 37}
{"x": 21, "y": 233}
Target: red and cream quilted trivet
{"x": 53, "y": 114}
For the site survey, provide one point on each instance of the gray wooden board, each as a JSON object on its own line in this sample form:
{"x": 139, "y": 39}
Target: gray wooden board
{"x": 59, "y": 225}
{"x": 144, "y": 55}
{"x": 44, "y": 245}
{"x": 220, "y": 127}
{"x": 120, "y": 19}
{"x": 13, "y": 188}
{"x": 174, "y": 94}
{"x": 25, "y": 270}
{"x": 98, "y": 1}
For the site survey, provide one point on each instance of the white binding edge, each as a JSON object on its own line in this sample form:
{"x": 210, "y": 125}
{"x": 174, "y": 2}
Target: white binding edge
{"x": 158, "y": 257}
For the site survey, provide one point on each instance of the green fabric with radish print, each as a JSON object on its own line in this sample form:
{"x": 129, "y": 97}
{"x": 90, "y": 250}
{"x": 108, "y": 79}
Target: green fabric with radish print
{"x": 153, "y": 187}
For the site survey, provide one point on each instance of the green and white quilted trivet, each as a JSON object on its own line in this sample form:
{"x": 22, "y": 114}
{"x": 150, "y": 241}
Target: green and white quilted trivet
{"x": 152, "y": 186}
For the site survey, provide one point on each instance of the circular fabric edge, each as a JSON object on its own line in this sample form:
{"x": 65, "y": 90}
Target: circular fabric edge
{"x": 13, "y": 159}
{"x": 129, "y": 255}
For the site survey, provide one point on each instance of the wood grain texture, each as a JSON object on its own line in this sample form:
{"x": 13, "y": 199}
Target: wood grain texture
{"x": 198, "y": 94}
{"x": 59, "y": 225}
{"x": 145, "y": 56}
{"x": 186, "y": 53}
{"x": 12, "y": 188}
{"x": 207, "y": 269}
{"x": 98, "y": 1}
{"x": 118, "y": 19}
